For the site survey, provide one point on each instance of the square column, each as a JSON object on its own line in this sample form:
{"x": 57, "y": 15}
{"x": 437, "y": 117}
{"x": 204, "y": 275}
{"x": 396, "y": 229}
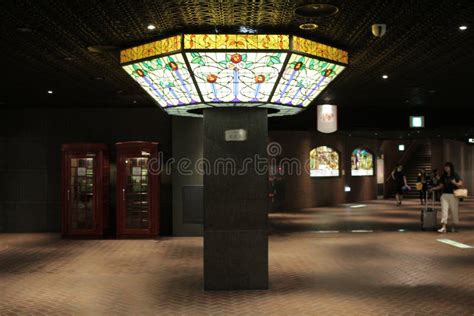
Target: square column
{"x": 235, "y": 201}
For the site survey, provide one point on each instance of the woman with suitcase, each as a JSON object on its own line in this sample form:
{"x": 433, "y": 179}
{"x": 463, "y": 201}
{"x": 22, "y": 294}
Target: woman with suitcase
{"x": 449, "y": 182}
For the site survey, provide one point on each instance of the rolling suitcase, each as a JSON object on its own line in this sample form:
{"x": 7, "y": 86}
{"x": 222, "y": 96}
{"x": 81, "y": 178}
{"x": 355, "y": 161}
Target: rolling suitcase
{"x": 429, "y": 214}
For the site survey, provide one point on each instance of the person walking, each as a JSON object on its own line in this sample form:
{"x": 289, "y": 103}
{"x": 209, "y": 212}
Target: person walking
{"x": 449, "y": 182}
{"x": 421, "y": 185}
{"x": 400, "y": 183}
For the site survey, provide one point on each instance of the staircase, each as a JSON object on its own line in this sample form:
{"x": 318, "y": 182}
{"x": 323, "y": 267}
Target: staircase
{"x": 420, "y": 159}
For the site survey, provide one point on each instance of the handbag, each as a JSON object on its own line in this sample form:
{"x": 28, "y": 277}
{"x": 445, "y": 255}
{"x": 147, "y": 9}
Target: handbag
{"x": 419, "y": 186}
{"x": 460, "y": 193}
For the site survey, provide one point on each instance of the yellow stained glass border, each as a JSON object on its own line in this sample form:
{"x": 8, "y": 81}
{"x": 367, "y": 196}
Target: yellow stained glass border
{"x": 234, "y": 41}
{"x": 152, "y": 49}
{"x": 320, "y": 50}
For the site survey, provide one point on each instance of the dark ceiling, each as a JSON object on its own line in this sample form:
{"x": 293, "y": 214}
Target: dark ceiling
{"x": 44, "y": 46}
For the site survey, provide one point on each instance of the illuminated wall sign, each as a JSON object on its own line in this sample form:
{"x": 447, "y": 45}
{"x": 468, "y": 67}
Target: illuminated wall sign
{"x": 189, "y": 72}
{"x": 417, "y": 121}
{"x": 362, "y": 163}
{"x": 327, "y": 118}
{"x": 323, "y": 162}
{"x": 401, "y": 147}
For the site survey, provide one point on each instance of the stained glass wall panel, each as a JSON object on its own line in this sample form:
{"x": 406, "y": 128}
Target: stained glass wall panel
{"x": 362, "y": 163}
{"x": 303, "y": 79}
{"x": 166, "y": 79}
{"x": 236, "y": 76}
{"x": 323, "y": 162}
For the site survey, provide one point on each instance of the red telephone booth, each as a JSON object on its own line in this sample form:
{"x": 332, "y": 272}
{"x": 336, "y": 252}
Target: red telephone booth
{"x": 85, "y": 186}
{"x": 138, "y": 190}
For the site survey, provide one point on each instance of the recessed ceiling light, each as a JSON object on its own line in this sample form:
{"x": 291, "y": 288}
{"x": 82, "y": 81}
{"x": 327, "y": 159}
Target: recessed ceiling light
{"x": 50, "y": 91}
{"x": 151, "y": 27}
{"x": 385, "y": 76}
{"x": 308, "y": 26}
{"x": 463, "y": 27}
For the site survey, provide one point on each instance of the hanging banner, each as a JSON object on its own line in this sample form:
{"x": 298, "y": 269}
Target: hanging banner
{"x": 327, "y": 118}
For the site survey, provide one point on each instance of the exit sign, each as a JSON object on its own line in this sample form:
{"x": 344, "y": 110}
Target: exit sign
{"x": 417, "y": 121}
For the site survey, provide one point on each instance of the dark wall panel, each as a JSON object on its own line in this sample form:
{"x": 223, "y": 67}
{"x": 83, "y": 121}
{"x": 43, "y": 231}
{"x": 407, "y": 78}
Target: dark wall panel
{"x": 187, "y": 140}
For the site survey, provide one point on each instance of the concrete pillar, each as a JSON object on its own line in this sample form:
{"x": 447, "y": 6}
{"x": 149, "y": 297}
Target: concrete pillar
{"x": 235, "y": 206}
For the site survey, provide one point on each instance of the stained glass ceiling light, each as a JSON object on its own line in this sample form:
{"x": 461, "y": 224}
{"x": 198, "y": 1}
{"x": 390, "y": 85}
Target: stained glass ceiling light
{"x": 189, "y": 72}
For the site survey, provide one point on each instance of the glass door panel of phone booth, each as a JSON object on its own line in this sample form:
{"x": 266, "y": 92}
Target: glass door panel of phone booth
{"x": 81, "y": 194}
{"x": 136, "y": 193}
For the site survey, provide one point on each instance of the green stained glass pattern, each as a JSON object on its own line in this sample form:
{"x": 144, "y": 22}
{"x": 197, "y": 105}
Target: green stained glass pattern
{"x": 303, "y": 79}
{"x": 166, "y": 79}
{"x": 234, "y": 77}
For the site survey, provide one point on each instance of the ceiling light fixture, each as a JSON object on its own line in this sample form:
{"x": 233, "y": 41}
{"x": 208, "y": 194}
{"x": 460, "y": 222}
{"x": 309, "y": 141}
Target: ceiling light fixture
{"x": 308, "y": 26}
{"x": 463, "y": 27}
{"x": 151, "y": 27}
{"x": 50, "y": 91}
{"x": 187, "y": 73}
{"x": 385, "y": 76}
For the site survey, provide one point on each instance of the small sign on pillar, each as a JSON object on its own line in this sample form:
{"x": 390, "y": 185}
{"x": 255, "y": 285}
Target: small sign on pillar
{"x": 235, "y": 135}
{"x": 327, "y": 118}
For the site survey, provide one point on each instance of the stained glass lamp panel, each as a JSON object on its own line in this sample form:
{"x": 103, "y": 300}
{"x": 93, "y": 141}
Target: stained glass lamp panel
{"x": 234, "y": 77}
{"x": 166, "y": 79}
{"x": 304, "y": 78}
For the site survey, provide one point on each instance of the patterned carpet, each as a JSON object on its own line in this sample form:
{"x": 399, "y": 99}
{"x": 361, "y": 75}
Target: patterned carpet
{"x": 390, "y": 273}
